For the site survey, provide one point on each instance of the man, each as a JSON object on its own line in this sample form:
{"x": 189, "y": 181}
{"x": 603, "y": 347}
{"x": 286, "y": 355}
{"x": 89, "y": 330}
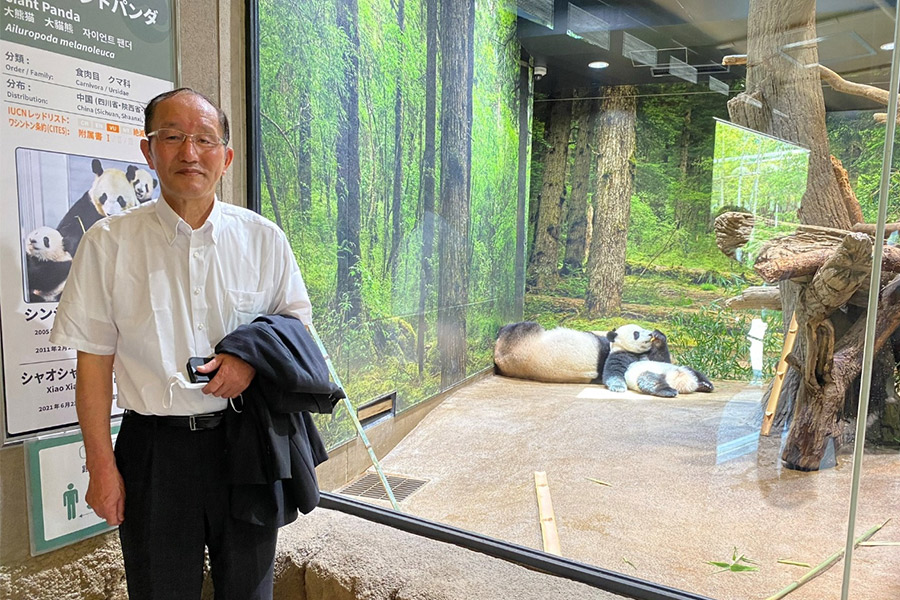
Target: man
{"x": 148, "y": 290}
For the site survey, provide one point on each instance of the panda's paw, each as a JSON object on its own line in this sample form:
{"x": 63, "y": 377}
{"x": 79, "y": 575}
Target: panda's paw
{"x": 705, "y": 386}
{"x": 617, "y": 386}
{"x": 666, "y": 392}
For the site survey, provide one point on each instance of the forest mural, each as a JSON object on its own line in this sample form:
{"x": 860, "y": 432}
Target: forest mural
{"x": 390, "y": 155}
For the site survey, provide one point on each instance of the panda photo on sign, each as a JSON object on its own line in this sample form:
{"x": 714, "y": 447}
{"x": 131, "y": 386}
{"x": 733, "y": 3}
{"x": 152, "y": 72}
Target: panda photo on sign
{"x": 110, "y": 193}
{"x": 143, "y": 183}
{"x": 628, "y": 367}
{"x": 47, "y": 264}
{"x": 526, "y": 350}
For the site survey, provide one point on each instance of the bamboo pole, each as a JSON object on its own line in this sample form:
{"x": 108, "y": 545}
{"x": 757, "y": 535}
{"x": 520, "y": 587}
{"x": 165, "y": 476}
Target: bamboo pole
{"x": 825, "y": 565}
{"x": 780, "y": 372}
{"x": 549, "y": 533}
{"x": 359, "y": 427}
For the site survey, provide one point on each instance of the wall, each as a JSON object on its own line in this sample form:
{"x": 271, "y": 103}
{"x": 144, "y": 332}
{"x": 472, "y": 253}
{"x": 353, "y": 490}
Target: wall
{"x": 211, "y": 37}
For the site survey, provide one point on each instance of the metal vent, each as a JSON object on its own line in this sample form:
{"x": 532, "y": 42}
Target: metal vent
{"x": 369, "y": 486}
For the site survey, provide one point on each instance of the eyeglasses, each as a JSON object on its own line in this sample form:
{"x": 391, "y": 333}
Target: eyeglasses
{"x": 175, "y": 137}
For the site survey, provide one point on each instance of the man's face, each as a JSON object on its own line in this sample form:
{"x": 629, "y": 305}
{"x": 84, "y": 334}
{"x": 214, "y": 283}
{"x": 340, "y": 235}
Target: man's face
{"x": 186, "y": 171}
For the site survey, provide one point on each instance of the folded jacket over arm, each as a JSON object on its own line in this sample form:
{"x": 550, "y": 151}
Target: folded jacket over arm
{"x": 273, "y": 445}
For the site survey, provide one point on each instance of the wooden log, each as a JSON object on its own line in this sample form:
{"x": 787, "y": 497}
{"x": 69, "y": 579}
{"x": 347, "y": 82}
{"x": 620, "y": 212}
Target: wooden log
{"x": 815, "y": 426}
{"x": 882, "y": 118}
{"x": 850, "y": 199}
{"x": 869, "y": 228}
{"x": 734, "y": 59}
{"x": 733, "y": 230}
{"x": 780, "y": 372}
{"x": 756, "y": 297}
{"x": 838, "y": 278}
{"x": 803, "y": 253}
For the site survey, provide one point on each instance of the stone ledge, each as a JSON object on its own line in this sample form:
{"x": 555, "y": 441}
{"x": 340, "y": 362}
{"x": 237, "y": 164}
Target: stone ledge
{"x": 326, "y": 554}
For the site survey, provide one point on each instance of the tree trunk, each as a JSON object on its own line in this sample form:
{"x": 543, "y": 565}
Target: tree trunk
{"x": 783, "y": 98}
{"x": 268, "y": 175}
{"x": 612, "y": 201}
{"x": 543, "y": 265}
{"x": 304, "y": 156}
{"x": 348, "y": 178}
{"x": 431, "y": 46}
{"x": 457, "y": 50}
{"x": 540, "y": 122}
{"x": 525, "y": 104}
{"x": 397, "y": 196}
{"x": 584, "y": 114}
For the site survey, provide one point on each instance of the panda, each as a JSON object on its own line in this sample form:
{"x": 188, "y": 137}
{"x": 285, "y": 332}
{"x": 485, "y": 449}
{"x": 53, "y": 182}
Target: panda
{"x": 628, "y": 367}
{"x": 527, "y": 351}
{"x": 143, "y": 183}
{"x": 111, "y": 193}
{"x": 47, "y": 264}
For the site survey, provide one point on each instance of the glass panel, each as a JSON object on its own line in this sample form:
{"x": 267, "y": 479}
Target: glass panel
{"x": 689, "y": 168}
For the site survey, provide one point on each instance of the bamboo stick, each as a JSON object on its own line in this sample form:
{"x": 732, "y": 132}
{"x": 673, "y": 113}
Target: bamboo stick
{"x": 780, "y": 372}
{"x": 825, "y": 565}
{"x": 549, "y": 534}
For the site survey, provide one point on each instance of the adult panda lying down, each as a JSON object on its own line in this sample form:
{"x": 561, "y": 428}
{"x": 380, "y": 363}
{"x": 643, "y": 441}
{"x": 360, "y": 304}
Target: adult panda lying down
{"x": 629, "y": 357}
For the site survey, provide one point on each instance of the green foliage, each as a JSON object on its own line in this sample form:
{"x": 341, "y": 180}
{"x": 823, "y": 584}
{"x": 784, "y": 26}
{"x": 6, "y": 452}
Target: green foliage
{"x": 737, "y": 564}
{"x": 714, "y": 340}
{"x": 304, "y": 59}
{"x": 858, "y": 141}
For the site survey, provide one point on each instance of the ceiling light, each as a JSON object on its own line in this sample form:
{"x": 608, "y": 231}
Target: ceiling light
{"x": 598, "y": 64}
{"x": 888, "y": 46}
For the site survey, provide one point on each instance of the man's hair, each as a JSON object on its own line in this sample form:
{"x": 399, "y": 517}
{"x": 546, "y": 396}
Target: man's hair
{"x": 151, "y": 108}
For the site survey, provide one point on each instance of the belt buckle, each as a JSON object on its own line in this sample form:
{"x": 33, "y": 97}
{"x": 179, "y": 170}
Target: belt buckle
{"x": 192, "y": 422}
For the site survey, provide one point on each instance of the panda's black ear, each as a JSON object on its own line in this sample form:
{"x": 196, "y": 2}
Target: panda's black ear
{"x": 130, "y": 172}
{"x": 96, "y": 167}
{"x": 611, "y": 335}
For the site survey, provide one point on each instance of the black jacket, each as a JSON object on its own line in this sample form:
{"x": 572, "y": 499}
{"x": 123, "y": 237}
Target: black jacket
{"x": 273, "y": 446}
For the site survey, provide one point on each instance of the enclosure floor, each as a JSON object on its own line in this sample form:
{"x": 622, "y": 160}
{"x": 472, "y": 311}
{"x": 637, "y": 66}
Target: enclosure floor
{"x": 686, "y": 481}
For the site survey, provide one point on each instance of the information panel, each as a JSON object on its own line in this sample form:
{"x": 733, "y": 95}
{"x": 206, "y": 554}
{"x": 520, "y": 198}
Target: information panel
{"x": 57, "y": 482}
{"x": 77, "y": 74}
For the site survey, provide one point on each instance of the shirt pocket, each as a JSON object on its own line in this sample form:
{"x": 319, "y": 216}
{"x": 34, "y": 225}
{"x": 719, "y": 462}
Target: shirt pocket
{"x": 243, "y": 306}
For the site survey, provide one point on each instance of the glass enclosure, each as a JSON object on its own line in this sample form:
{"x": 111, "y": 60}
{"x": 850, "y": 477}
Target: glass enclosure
{"x": 710, "y": 169}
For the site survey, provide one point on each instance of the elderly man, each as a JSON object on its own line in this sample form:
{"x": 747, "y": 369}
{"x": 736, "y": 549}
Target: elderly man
{"x": 149, "y": 289}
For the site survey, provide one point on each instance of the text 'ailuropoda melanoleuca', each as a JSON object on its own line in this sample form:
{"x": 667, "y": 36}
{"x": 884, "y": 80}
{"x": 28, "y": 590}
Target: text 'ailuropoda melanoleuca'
{"x": 629, "y": 368}
{"x": 528, "y": 351}
{"x": 47, "y": 264}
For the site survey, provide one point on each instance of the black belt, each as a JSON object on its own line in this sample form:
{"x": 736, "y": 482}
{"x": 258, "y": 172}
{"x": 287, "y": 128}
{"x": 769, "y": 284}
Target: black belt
{"x": 192, "y": 422}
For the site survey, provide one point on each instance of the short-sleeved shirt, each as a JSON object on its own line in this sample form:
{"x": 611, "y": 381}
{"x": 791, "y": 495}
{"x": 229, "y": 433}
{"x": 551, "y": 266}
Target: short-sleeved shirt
{"x": 146, "y": 287}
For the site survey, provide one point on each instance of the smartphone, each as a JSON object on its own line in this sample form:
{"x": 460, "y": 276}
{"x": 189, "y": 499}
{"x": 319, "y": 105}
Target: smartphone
{"x": 196, "y": 376}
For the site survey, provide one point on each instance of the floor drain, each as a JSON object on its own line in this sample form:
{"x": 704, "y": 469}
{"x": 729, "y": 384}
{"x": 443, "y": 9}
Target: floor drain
{"x": 369, "y": 486}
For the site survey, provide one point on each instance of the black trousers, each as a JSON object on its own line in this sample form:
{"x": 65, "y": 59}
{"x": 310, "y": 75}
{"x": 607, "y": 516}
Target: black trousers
{"x": 176, "y": 503}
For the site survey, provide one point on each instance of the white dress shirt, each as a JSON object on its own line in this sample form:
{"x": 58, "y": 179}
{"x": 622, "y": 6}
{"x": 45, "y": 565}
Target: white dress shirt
{"x": 146, "y": 287}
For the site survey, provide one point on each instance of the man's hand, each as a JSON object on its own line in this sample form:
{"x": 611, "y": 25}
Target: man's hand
{"x": 232, "y": 378}
{"x": 106, "y": 494}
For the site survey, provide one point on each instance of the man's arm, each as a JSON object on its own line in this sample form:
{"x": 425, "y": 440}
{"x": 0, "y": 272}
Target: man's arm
{"x": 93, "y": 402}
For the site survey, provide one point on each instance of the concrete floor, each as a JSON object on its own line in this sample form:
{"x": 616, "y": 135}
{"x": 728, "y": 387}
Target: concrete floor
{"x": 687, "y": 484}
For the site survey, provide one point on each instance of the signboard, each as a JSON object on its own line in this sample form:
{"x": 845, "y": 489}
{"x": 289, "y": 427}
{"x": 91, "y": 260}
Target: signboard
{"x": 57, "y": 481}
{"x": 77, "y": 75}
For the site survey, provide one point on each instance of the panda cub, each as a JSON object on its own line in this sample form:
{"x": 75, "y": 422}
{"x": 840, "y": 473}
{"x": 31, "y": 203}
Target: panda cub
{"x": 143, "y": 183}
{"x": 528, "y": 351}
{"x": 629, "y": 368}
{"x": 47, "y": 264}
{"x": 111, "y": 193}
